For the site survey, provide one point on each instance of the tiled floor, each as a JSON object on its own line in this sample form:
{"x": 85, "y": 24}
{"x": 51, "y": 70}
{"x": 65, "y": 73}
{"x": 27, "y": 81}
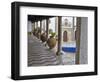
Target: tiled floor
{"x": 41, "y": 55}
{"x": 38, "y": 54}
{"x": 68, "y": 58}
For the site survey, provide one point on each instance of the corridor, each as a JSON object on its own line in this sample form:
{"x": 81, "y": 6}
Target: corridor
{"x": 39, "y": 54}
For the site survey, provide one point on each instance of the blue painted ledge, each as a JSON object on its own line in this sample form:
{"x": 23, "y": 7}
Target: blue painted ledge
{"x": 69, "y": 49}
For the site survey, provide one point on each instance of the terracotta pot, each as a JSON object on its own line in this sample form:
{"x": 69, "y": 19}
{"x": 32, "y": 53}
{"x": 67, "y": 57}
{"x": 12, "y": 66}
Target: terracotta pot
{"x": 43, "y": 37}
{"x": 51, "y": 42}
{"x": 35, "y": 33}
{"x": 38, "y": 35}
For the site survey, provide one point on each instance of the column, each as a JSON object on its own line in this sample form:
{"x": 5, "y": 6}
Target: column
{"x": 47, "y": 27}
{"x": 78, "y": 25}
{"x": 44, "y": 26}
{"x": 59, "y": 35}
{"x": 56, "y": 25}
{"x": 36, "y": 24}
{"x": 84, "y": 41}
{"x": 33, "y": 26}
{"x": 37, "y": 29}
{"x": 73, "y": 33}
{"x": 40, "y": 28}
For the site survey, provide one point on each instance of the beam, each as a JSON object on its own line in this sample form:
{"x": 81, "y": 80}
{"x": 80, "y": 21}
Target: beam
{"x": 35, "y": 18}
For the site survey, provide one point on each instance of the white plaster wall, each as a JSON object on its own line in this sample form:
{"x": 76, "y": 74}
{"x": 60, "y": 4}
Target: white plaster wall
{"x": 70, "y": 34}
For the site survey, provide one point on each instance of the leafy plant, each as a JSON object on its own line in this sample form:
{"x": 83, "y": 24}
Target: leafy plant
{"x": 53, "y": 34}
{"x": 50, "y": 31}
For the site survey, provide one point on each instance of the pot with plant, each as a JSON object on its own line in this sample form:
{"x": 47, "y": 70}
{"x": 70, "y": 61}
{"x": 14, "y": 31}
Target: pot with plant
{"x": 43, "y": 37}
{"x": 34, "y": 32}
{"x": 52, "y": 40}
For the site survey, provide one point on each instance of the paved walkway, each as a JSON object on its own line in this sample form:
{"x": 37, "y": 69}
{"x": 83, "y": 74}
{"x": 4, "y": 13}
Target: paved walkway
{"x": 68, "y": 57}
{"x": 38, "y": 54}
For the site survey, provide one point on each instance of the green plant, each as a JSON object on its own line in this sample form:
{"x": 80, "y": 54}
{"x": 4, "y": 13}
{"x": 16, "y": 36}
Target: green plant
{"x": 53, "y": 34}
{"x": 50, "y": 31}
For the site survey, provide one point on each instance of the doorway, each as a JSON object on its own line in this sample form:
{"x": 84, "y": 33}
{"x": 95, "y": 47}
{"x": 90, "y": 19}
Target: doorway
{"x": 65, "y": 38}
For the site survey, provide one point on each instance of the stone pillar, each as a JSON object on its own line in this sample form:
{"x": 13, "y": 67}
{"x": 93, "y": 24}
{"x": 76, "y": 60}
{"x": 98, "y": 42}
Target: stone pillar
{"x": 33, "y": 26}
{"x": 44, "y": 26}
{"x": 36, "y": 24}
{"x": 40, "y": 28}
{"x": 37, "y": 30}
{"x": 78, "y": 29}
{"x": 59, "y": 35}
{"x": 73, "y": 33}
{"x": 84, "y": 41}
{"x": 47, "y": 27}
{"x": 56, "y": 25}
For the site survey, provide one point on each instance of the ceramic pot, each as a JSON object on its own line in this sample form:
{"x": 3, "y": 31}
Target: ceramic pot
{"x": 51, "y": 42}
{"x": 43, "y": 37}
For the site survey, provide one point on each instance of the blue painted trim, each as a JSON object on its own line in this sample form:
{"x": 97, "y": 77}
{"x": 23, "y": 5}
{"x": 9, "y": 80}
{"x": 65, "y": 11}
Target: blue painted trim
{"x": 69, "y": 49}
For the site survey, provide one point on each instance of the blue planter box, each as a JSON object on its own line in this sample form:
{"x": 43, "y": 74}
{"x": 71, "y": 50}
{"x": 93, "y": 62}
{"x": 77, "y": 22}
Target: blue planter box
{"x": 69, "y": 49}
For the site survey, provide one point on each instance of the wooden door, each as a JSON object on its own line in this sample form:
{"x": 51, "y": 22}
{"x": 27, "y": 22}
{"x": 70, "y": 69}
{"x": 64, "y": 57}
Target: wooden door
{"x": 65, "y": 36}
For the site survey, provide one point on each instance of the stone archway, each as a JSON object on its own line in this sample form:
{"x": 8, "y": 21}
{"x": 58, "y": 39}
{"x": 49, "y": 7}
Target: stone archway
{"x": 65, "y": 38}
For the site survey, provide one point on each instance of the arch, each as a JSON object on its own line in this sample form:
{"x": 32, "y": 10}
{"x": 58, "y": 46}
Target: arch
{"x": 65, "y": 38}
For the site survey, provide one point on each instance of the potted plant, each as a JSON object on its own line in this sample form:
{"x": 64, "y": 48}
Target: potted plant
{"x": 52, "y": 40}
{"x": 43, "y": 37}
{"x": 34, "y": 32}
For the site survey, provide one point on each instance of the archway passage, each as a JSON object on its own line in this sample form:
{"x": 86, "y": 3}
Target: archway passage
{"x": 65, "y": 38}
